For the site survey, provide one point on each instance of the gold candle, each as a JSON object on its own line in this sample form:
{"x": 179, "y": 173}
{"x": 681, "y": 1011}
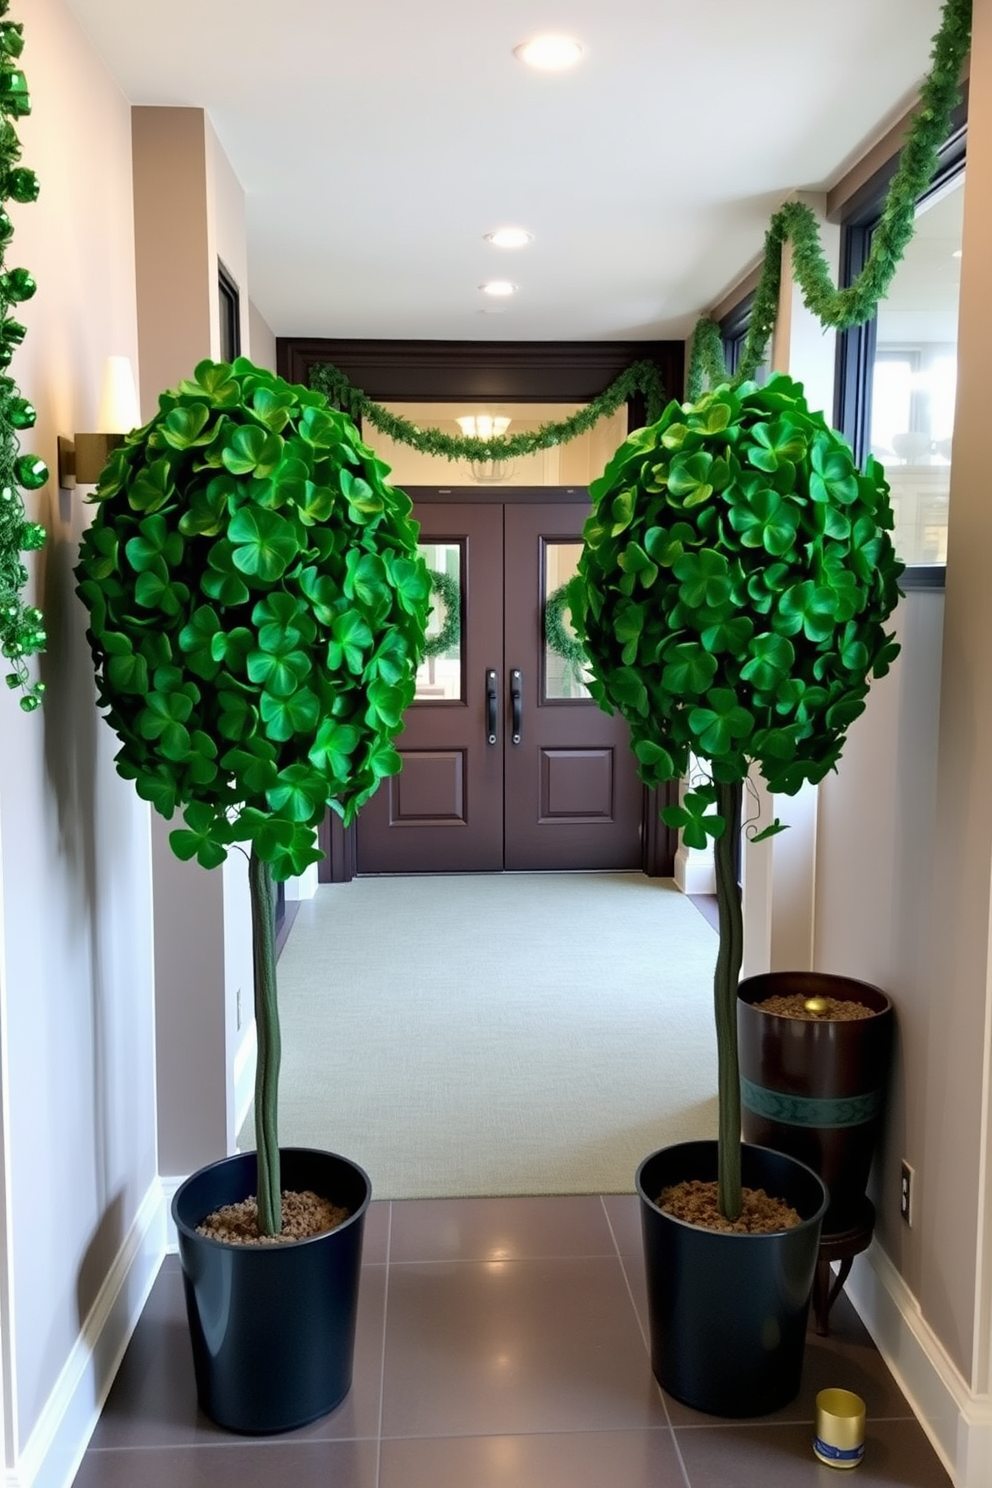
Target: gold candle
{"x": 840, "y": 1428}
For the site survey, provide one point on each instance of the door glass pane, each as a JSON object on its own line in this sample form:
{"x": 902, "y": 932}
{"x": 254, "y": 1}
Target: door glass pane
{"x": 439, "y": 677}
{"x": 565, "y": 668}
{"x": 573, "y": 464}
{"x": 914, "y": 380}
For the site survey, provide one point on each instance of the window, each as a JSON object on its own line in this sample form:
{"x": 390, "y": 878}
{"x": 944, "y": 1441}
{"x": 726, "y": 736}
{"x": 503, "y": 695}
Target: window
{"x": 230, "y": 315}
{"x": 734, "y": 328}
{"x": 897, "y": 375}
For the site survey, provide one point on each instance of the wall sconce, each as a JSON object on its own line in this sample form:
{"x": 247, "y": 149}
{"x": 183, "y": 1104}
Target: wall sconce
{"x": 82, "y": 458}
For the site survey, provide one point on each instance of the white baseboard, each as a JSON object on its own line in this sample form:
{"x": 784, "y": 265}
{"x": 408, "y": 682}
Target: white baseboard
{"x": 303, "y": 887}
{"x": 958, "y": 1422}
{"x": 695, "y": 871}
{"x": 54, "y": 1449}
{"x": 244, "y": 1075}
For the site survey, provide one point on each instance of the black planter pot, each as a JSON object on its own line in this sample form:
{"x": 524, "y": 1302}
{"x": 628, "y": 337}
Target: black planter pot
{"x": 816, "y": 1090}
{"x": 272, "y": 1326}
{"x": 728, "y": 1312}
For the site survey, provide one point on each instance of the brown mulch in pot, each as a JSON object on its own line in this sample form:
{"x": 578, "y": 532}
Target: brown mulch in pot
{"x": 304, "y": 1215}
{"x": 696, "y": 1202}
{"x": 837, "y": 1010}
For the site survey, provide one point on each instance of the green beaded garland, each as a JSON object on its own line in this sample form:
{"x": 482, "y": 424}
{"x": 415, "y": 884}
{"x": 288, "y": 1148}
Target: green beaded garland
{"x": 22, "y": 629}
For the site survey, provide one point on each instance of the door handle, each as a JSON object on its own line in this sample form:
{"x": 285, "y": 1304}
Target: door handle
{"x": 492, "y": 704}
{"x": 517, "y": 705}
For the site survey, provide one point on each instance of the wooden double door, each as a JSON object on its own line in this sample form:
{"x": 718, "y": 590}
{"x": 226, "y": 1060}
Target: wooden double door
{"x": 507, "y": 763}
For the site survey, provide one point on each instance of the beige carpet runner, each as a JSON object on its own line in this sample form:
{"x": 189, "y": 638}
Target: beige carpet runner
{"x": 489, "y": 1034}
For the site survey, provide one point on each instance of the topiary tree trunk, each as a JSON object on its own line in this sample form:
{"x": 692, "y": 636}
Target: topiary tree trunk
{"x": 269, "y": 1044}
{"x": 725, "y": 978}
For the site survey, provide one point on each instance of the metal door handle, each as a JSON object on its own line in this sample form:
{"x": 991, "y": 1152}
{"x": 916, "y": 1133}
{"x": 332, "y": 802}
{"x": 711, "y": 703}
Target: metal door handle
{"x": 517, "y": 703}
{"x": 492, "y": 705}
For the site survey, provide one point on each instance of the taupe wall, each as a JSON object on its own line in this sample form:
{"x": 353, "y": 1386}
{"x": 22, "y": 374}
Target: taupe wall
{"x": 75, "y": 962}
{"x": 189, "y": 212}
{"x": 261, "y": 341}
{"x": 172, "y": 247}
{"x": 874, "y": 875}
{"x": 956, "y": 1217}
{"x": 904, "y": 864}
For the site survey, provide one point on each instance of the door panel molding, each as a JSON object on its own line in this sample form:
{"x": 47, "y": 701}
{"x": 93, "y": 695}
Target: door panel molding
{"x": 430, "y": 788}
{"x": 571, "y": 776}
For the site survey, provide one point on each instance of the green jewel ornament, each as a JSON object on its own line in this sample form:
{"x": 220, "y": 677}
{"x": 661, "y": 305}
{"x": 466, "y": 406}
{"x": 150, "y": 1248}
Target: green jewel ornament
{"x": 18, "y": 285}
{"x": 22, "y": 414}
{"x": 14, "y": 95}
{"x": 32, "y": 472}
{"x": 11, "y": 38}
{"x": 23, "y": 184}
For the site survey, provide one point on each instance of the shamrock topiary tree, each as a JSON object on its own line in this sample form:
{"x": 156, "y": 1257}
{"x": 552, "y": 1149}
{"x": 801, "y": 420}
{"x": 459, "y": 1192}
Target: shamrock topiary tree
{"x": 735, "y": 579}
{"x": 257, "y": 610}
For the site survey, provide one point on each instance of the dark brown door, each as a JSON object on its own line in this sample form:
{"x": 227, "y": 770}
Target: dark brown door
{"x": 507, "y": 764}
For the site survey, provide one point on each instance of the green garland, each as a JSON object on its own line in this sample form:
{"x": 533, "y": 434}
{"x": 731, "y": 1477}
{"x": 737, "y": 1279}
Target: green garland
{"x": 640, "y": 377}
{"x": 449, "y": 593}
{"x": 559, "y": 641}
{"x": 22, "y": 631}
{"x": 840, "y": 309}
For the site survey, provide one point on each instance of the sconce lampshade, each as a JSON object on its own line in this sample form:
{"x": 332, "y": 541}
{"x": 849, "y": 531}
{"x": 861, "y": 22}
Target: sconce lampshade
{"x": 81, "y": 460}
{"x": 119, "y": 412}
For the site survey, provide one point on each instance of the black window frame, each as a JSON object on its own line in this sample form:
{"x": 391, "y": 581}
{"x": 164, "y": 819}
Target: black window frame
{"x": 229, "y": 299}
{"x": 734, "y": 328}
{"x": 856, "y": 347}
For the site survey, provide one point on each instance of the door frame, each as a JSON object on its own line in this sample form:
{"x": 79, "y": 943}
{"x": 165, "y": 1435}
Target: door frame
{"x": 509, "y": 371}
{"x": 658, "y": 842}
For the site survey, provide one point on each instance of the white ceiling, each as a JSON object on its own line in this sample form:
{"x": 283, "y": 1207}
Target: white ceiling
{"x": 377, "y": 141}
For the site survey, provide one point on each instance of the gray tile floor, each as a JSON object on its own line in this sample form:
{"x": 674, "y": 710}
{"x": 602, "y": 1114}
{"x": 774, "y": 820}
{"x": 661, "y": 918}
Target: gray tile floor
{"x": 501, "y": 1344}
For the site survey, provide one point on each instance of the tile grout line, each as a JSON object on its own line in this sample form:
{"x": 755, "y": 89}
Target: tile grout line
{"x": 644, "y": 1339}
{"x": 382, "y": 1354}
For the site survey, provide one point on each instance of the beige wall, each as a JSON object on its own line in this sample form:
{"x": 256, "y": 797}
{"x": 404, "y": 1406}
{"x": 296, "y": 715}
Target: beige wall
{"x": 189, "y": 212}
{"x": 956, "y": 1210}
{"x": 75, "y": 959}
{"x": 261, "y": 341}
{"x": 904, "y": 853}
{"x": 875, "y": 843}
{"x": 172, "y": 246}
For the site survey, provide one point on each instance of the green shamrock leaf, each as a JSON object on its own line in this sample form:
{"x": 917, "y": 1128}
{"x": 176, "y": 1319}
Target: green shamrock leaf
{"x": 350, "y": 639}
{"x": 766, "y": 521}
{"x": 264, "y": 543}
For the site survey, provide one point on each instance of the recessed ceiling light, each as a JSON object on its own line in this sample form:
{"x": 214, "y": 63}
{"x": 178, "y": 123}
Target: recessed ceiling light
{"x": 550, "y": 53}
{"x": 499, "y": 288}
{"x": 509, "y": 237}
